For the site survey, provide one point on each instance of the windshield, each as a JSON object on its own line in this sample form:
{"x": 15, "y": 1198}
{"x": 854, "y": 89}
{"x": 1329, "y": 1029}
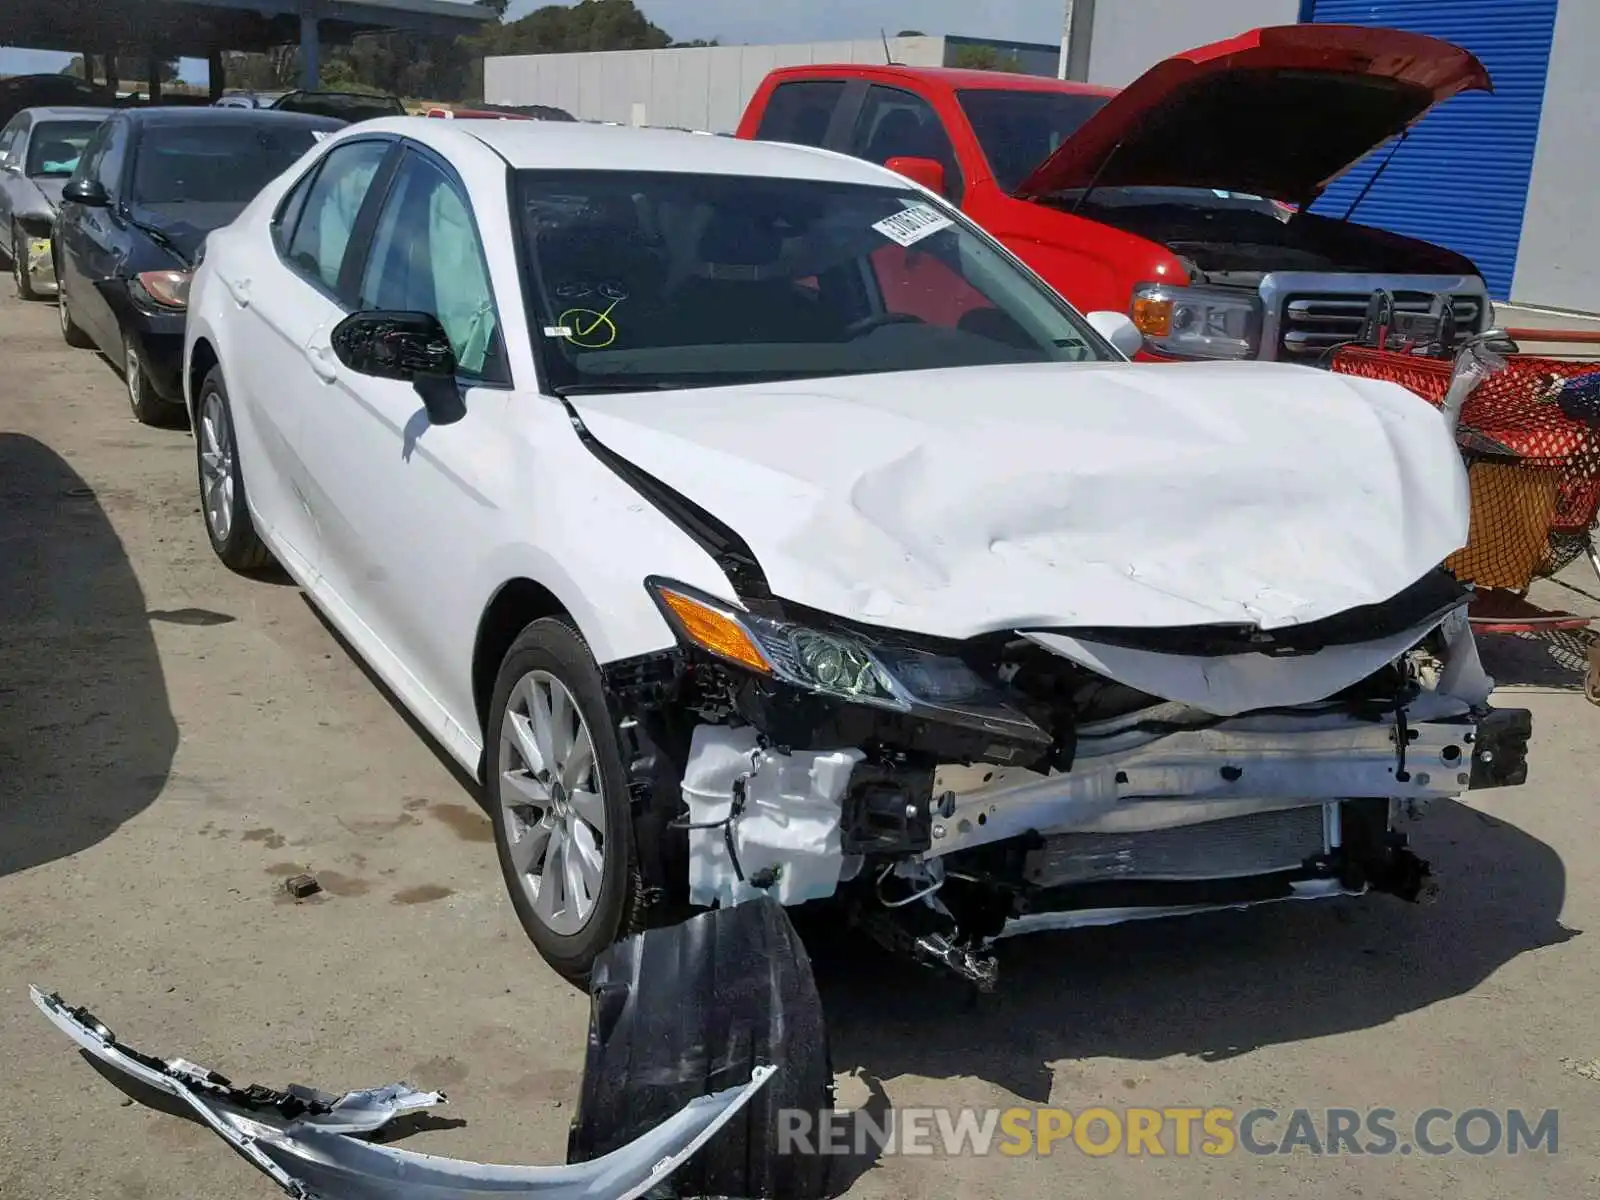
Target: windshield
{"x": 1019, "y": 130}
{"x": 677, "y": 280}
{"x": 55, "y": 146}
{"x": 214, "y": 163}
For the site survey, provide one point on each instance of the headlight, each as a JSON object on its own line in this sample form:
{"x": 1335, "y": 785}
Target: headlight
{"x": 842, "y": 665}
{"x": 1197, "y": 322}
{"x": 164, "y": 289}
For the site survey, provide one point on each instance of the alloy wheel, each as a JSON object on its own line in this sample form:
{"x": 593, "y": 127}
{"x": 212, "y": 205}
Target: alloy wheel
{"x": 552, "y": 802}
{"x": 216, "y": 466}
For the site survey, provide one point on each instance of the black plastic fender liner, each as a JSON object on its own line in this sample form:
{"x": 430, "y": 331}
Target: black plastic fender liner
{"x": 678, "y": 1010}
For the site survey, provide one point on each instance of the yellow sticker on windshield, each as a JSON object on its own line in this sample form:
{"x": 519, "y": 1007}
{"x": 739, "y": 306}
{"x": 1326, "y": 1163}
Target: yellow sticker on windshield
{"x": 587, "y": 329}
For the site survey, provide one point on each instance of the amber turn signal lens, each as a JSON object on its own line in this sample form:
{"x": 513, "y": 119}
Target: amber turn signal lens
{"x": 1153, "y": 316}
{"x": 715, "y": 631}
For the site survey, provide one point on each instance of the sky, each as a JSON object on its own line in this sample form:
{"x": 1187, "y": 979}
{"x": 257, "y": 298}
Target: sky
{"x": 740, "y": 21}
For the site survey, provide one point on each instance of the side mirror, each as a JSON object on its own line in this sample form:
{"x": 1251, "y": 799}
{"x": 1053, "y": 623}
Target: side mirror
{"x": 1117, "y": 329}
{"x": 926, "y": 171}
{"x": 408, "y": 346}
{"x": 90, "y": 193}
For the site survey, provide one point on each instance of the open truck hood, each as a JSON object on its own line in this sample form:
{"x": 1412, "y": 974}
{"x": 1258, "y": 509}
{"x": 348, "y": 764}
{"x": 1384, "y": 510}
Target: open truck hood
{"x": 965, "y": 501}
{"x": 1276, "y": 112}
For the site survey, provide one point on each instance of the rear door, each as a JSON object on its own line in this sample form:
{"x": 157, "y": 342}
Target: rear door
{"x": 287, "y": 299}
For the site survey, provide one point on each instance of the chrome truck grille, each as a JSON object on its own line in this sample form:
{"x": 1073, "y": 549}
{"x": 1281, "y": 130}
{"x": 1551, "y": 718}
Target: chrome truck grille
{"x": 1235, "y": 848}
{"x": 1308, "y": 316}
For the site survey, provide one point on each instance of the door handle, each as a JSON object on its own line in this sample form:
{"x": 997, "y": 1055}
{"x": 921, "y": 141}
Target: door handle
{"x": 320, "y": 355}
{"x": 239, "y": 289}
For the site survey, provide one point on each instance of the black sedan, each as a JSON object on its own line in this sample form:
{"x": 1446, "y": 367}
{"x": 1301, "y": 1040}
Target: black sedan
{"x": 148, "y": 188}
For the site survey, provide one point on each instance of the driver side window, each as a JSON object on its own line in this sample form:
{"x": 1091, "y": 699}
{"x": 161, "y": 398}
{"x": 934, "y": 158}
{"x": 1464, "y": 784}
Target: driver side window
{"x": 427, "y": 257}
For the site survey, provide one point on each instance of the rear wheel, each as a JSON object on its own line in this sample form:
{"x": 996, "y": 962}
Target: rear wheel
{"x": 222, "y": 500}
{"x": 558, "y": 798}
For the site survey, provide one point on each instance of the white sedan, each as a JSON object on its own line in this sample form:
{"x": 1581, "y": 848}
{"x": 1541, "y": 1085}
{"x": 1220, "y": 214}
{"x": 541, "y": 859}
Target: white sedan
{"x": 751, "y": 523}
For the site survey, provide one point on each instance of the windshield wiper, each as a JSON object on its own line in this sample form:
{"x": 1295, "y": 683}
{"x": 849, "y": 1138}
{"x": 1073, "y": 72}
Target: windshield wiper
{"x": 638, "y": 385}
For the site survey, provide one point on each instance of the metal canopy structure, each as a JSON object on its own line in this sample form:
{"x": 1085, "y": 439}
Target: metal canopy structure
{"x": 162, "y": 29}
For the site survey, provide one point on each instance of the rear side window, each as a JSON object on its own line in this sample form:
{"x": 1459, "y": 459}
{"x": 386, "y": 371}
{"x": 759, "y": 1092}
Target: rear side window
{"x": 800, "y": 112}
{"x": 328, "y": 214}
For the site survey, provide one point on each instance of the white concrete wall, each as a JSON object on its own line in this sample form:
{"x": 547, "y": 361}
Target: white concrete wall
{"x": 1128, "y": 37}
{"x": 696, "y": 88}
{"x": 1558, "y": 259}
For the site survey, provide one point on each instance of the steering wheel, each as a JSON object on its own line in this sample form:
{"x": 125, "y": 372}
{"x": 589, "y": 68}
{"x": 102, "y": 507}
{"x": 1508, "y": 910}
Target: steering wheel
{"x": 877, "y": 320}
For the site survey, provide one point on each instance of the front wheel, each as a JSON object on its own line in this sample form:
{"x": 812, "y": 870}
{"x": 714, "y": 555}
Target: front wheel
{"x": 558, "y": 798}
{"x": 147, "y": 405}
{"x": 19, "y": 267}
{"x": 232, "y": 533}
{"x": 71, "y": 332}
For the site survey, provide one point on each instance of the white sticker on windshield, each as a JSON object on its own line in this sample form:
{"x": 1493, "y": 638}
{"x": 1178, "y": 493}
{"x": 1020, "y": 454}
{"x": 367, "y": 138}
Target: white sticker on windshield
{"x": 913, "y": 224}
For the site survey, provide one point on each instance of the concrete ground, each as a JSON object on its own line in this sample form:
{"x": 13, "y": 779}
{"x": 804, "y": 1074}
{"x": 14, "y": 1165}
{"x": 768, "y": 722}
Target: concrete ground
{"x": 176, "y": 740}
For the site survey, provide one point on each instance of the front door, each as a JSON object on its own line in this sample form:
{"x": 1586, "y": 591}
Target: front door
{"x": 410, "y": 510}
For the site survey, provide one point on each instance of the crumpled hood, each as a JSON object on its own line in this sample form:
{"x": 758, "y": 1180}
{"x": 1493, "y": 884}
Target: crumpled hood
{"x": 964, "y": 501}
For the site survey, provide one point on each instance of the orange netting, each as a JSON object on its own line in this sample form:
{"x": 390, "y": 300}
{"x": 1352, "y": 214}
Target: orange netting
{"x": 1534, "y": 472}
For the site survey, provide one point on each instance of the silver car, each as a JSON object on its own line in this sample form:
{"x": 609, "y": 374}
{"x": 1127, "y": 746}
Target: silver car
{"x": 39, "y": 150}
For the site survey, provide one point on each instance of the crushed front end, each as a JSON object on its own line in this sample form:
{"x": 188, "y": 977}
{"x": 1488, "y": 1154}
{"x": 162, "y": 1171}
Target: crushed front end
{"x": 954, "y": 793}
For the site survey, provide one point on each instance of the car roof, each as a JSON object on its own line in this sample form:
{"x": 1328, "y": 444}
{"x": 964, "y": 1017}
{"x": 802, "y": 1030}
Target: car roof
{"x": 183, "y": 114}
{"x": 579, "y": 146}
{"x": 954, "y": 78}
{"x": 63, "y": 112}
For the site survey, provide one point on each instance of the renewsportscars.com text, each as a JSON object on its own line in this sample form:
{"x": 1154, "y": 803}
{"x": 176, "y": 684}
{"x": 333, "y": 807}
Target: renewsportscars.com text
{"x": 1178, "y": 1132}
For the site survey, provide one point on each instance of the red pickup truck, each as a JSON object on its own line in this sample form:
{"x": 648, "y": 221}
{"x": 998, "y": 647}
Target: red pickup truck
{"x": 1181, "y": 199}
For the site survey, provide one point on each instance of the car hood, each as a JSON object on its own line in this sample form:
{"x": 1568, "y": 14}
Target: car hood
{"x": 1276, "y": 112}
{"x": 186, "y": 224}
{"x": 965, "y": 501}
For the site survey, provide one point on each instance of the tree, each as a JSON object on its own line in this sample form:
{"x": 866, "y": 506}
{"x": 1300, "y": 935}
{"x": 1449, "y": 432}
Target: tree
{"x": 498, "y": 7}
{"x": 984, "y": 58}
{"x": 911, "y": 33}
{"x": 129, "y": 67}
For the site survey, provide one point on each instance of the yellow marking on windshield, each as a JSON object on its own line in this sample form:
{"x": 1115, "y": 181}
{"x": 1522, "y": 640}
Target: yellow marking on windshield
{"x": 588, "y": 329}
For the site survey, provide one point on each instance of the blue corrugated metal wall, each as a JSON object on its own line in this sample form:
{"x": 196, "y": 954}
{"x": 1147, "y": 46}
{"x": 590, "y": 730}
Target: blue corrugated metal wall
{"x": 1461, "y": 179}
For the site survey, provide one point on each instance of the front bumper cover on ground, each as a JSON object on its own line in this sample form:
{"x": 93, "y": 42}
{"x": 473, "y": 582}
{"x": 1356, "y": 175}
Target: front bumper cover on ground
{"x": 304, "y": 1140}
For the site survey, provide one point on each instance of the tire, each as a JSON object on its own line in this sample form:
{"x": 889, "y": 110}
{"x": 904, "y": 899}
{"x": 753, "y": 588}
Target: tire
{"x": 223, "y": 505}
{"x": 71, "y": 332}
{"x": 19, "y": 267}
{"x": 147, "y": 405}
{"x": 534, "y": 822}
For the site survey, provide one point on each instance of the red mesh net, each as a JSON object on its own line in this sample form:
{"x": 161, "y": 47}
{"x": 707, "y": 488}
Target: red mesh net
{"x": 1534, "y": 472}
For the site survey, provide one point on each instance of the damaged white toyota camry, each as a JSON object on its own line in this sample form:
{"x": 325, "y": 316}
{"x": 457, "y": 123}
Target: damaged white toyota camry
{"x": 753, "y": 524}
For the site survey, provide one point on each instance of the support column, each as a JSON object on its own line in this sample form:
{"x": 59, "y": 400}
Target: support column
{"x": 110, "y": 60}
{"x": 152, "y": 71}
{"x": 310, "y": 52}
{"x": 216, "y": 75}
